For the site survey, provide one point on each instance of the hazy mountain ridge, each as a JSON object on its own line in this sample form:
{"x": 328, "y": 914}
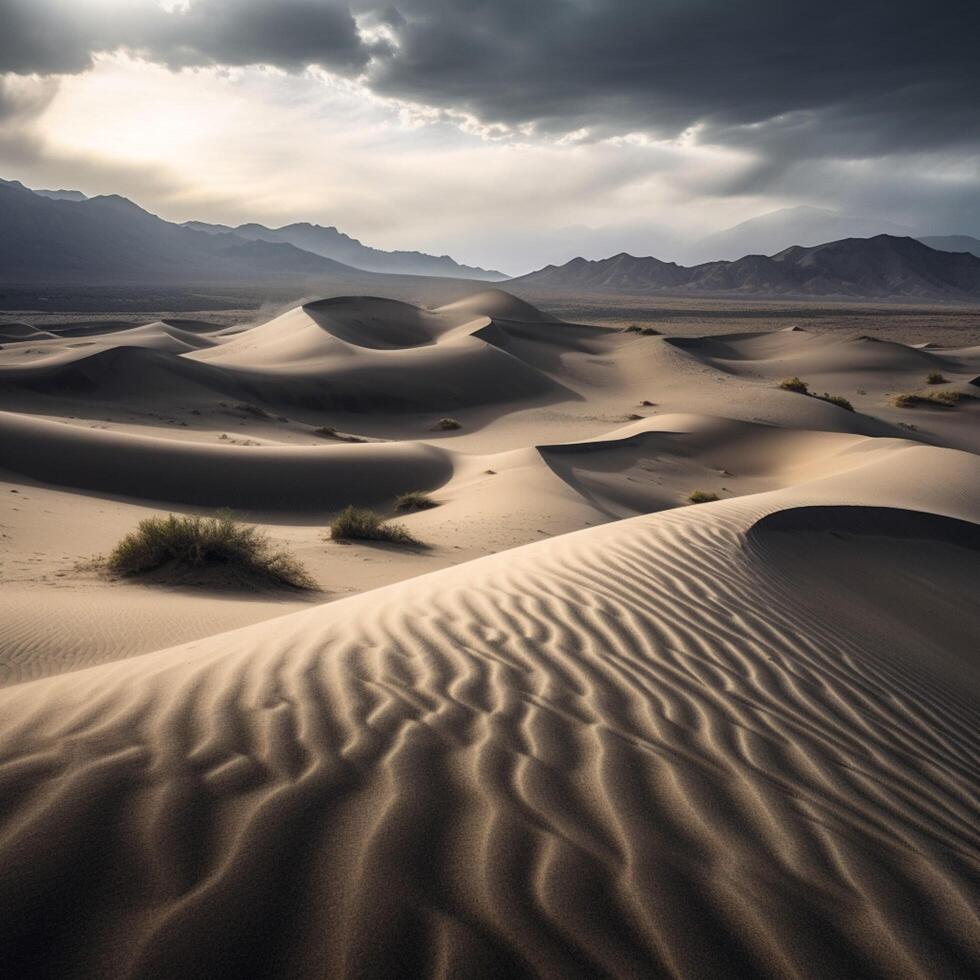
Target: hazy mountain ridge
{"x": 878, "y": 267}
{"x": 109, "y": 239}
{"x": 334, "y": 244}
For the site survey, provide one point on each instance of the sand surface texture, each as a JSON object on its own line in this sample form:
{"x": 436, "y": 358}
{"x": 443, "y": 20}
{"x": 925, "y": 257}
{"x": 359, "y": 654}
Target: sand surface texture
{"x": 589, "y": 731}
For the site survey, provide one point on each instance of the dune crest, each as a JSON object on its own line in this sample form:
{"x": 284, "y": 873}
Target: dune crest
{"x": 631, "y": 749}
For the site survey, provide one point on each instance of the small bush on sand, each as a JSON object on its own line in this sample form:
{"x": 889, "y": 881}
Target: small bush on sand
{"x": 935, "y": 378}
{"x": 446, "y": 425}
{"x": 254, "y": 410}
{"x": 700, "y": 497}
{"x": 329, "y": 432}
{"x": 182, "y": 543}
{"x": 645, "y": 331}
{"x": 837, "y": 400}
{"x": 361, "y": 524}
{"x": 415, "y": 500}
{"x": 795, "y": 384}
{"x": 942, "y": 399}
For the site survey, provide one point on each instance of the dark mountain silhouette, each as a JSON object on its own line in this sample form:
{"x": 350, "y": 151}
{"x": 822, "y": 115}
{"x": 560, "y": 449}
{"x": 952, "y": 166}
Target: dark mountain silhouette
{"x": 110, "y": 240}
{"x": 334, "y": 244}
{"x": 884, "y": 266}
{"x": 769, "y": 233}
{"x": 953, "y": 243}
{"x": 61, "y": 195}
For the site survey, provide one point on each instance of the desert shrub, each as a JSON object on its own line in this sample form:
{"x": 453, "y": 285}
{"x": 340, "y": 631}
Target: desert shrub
{"x": 329, "y": 432}
{"x": 446, "y": 425}
{"x": 838, "y": 400}
{"x": 645, "y": 331}
{"x": 646, "y": 403}
{"x": 633, "y": 417}
{"x": 192, "y": 542}
{"x": 362, "y": 524}
{"x": 254, "y": 410}
{"x": 415, "y": 500}
{"x": 700, "y": 497}
{"x": 935, "y": 378}
{"x": 943, "y": 399}
{"x": 795, "y": 384}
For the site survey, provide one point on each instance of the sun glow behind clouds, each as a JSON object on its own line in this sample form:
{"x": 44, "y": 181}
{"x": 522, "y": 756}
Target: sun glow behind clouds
{"x": 258, "y": 144}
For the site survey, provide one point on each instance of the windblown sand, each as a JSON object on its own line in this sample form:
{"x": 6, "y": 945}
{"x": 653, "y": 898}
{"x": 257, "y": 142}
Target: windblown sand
{"x": 733, "y": 739}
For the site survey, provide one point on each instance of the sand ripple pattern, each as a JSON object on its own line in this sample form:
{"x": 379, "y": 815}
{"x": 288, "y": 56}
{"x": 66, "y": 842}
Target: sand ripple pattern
{"x": 633, "y": 751}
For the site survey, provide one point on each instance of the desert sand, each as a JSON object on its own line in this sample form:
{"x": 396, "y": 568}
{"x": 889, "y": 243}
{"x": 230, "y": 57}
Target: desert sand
{"x": 590, "y": 730}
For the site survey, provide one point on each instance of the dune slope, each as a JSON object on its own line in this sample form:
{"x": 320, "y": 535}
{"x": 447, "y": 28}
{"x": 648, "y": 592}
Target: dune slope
{"x": 642, "y": 749}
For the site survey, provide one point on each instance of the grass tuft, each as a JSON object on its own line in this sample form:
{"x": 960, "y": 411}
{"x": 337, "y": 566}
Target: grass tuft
{"x": 837, "y": 400}
{"x": 415, "y": 500}
{"x": 329, "y": 432}
{"x": 644, "y": 331}
{"x": 795, "y": 384}
{"x": 206, "y": 544}
{"x": 254, "y": 410}
{"x": 446, "y": 425}
{"x": 942, "y": 399}
{"x": 700, "y": 497}
{"x": 362, "y": 524}
{"x": 935, "y": 378}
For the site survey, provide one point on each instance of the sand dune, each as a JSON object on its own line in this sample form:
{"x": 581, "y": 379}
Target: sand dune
{"x": 732, "y": 739}
{"x": 641, "y": 748}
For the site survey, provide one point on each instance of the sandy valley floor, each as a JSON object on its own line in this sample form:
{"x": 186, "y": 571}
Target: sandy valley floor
{"x": 589, "y": 730}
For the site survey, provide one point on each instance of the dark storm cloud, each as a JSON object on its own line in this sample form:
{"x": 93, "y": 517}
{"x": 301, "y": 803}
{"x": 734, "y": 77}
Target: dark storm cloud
{"x": 902, "y": 73}
{"x": 854, "y": 78}
{"x": 60, "y": 36}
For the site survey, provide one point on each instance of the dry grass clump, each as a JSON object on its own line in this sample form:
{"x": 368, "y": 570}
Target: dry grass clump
{"x": 942, "y": 399}
{"x": 221, "y": 544}
{"x": 837, "y": 400}
{"x": 802, "y": 388}
{"x": 700, "y": 497}
{"x": 254, "y": 410}
{"x": 362, "y": 524}
{"x": 415, "y": 500}
{"x": 446, "y": 425}
{"x": 935, "y": 378}
{"x": 645, "y": 331}
{"x": 329, "y": 432}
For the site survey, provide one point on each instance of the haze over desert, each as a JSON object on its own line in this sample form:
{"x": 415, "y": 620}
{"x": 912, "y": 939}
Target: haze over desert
{"x": 526, "y": 527}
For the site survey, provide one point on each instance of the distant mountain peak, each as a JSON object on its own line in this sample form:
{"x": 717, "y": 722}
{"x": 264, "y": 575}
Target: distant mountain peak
{"x": 882, "y": 266}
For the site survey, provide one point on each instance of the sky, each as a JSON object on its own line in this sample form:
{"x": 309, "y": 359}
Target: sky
{"x": 509, "y": 133}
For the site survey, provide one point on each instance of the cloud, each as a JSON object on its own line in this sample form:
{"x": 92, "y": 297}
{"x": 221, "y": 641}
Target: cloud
{"x": 884, "y": 74}
{"x": 62, "y": 36}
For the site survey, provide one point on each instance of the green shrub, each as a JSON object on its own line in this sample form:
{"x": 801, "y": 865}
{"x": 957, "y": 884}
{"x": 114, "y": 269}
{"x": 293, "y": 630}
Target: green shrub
{"x": 445, "y": 425}
{"x": 700, "y": 497}
{"x": 361, "y": 524}
{"x": 795, "y": 384}
{"x": 935, "y": 378}
{"x": 835, "y": 400}
{"x": 181, "y": 543}
{"x": 415, "y": 500}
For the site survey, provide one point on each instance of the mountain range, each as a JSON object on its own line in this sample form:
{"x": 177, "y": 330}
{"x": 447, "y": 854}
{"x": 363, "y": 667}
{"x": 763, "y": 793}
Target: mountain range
{"x": 63, "y": 237}
{"x": 334, "y": 244}
{"x": 110, "y": 240}
{"x": 881, "y": 266}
